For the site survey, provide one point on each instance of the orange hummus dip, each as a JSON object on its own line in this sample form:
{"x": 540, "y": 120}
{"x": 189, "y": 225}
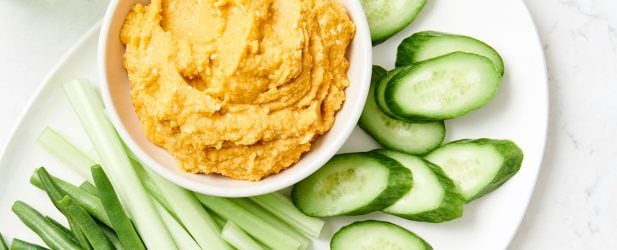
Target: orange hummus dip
{"x": 239, "y": 88}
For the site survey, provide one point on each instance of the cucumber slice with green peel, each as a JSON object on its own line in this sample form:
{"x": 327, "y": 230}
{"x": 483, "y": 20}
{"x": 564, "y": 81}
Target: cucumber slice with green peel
{"x": 433, "y": 197}
{"x": 380, "y": 89}
{"x": 352, "y": 184}
{"x": 388, "y": 17}
{"x": 479, "y": 166}
{"x": 443, "y": 88}
{"x": 413, "y": 138}
{"x": 430, "y": 44}
{"x": 372, "y": 234}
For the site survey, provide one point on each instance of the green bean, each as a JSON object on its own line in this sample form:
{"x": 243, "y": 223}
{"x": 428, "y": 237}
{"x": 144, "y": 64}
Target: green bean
{"x": 3, "y": 245}
{"x": 39, "y": 225}
{"x": 61, "y": 228}
{"x": 111, "y": 236}
{"x": 85, "y": 223}
{"x": 79, "y": 235}
{"x": 119, "y": 219}
{"x": 18, "y": 244}
{"x": 89, "y": 187}
{"x": 91, "y": 203}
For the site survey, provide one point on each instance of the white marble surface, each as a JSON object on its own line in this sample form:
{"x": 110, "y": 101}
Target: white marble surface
{"x": 574, "y": 205}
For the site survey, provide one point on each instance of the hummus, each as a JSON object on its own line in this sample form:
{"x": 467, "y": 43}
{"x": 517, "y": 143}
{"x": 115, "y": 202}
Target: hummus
{"x": 237, "y": 87}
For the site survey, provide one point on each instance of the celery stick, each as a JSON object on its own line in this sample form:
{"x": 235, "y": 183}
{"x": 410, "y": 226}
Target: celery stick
{"x": 255, "y": 226}
{"x": 152, "y": 188}
{"x": 218, "y": 219}
{"x": 109, "y": 148}
{"x": 189, "y": 213}
{"x": 181, "y": 237}
{"x": 66, "y": 152}
{"x": 282, "y": 207}
{"x": 238, "y": 238}
{"x": 91, "y": 203}
{"x": 262, "y": 213}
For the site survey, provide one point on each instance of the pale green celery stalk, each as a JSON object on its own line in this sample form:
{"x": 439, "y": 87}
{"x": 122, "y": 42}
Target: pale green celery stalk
{"x": 66, "y": 152}
{"x": 152, "y": 188}
{"x": 181, "y": 237}
{"x": 189, "y": 212}
{"x": 257, "y": 227}
{"x": 282, "y": 207}
{"x": 218, "y": 219}
{"x": 116, "y": 164}
{"x": 262, "y": 213}
{"x": 238, "y": 238}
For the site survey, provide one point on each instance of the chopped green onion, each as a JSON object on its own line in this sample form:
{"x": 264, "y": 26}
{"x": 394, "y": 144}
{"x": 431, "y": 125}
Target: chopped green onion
{"x": 255, "y": 226}
{"x": 68, "y": 154}
{"x": 18, "y": 244}
{"x": 110, "y": 150}
{"x": 39, "y": 225}
{"x": 91, "y": 203}
{"x": 238, "y": 238}
{"x": 182, "y": 238}
{"x": 282, "y": 207}
{"x": 117, "y": 216}
{"x": 85, "y": 223}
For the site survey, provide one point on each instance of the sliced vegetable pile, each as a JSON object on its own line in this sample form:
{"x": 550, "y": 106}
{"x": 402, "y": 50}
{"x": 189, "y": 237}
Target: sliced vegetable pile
{"x": 123, "y": 205}
{"x": 438, "y": 76}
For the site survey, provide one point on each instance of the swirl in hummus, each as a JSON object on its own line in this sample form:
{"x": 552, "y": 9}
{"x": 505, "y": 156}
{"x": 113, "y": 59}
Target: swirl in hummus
{"x": 237, "y": 87}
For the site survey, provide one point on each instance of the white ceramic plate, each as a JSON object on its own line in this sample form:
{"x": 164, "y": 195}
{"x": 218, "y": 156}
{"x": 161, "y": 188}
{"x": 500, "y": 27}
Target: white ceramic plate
{"x": 519, "y": 112}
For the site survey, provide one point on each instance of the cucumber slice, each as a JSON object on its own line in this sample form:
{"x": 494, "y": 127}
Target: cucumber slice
{"x": 388, "y": 17}
{"x": 352, "y": 184}
{"x": 380, "y": 90}
{"x": 372, "y": 234}
{"x": 413, "y": 138}
{"x": 479, "y": 166}
{"x": 443, "y": 88}
{"x": 430, "y": 44}
{"x": 433, "y": 197}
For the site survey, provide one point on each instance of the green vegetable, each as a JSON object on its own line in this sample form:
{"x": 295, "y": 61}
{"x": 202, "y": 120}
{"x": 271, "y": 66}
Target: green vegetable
{"x": 50, "y": 234}
{"x": 64, "y": 151}
{"x": 120, "y": 221}
{"x": 110, "y": 150}
{"x": 272, "y": 219}
{"x": 479, "y": 166}
{"x": 111, "y": 236}
{"x": 67, "y": 233}
{"x": 89, "y": 187}
{"x": 443, "y": 88}
{"x": 91, "y": 203}
{"x": 238, "y": 238}
{"x": 189, "y": 213}
{"x": 430, "y": 44}
{"x": 433, "y": 197}
{"x": 352, "y": 184}
{"x": 3, "y": 245}
{"x": 85, "y": 223}
{"x": 257, "y": 227}
{"x": 373, "y": 234}
{"x": 409, "y": 137}
{"x": 183, "y": 239}
{"x": 18, "y": 244}
{"x": 388, "y": 17}
{"x": 283, "y": 208}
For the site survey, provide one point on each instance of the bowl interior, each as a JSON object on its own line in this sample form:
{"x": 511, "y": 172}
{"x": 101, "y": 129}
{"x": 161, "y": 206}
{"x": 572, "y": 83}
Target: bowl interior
{"x": 116, "y": 95}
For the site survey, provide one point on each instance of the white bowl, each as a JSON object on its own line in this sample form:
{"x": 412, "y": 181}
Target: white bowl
{"x": 116, "y": 95}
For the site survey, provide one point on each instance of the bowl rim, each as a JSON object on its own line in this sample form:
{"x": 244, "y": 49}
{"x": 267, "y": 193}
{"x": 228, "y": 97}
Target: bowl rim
{"x": 327, "y": 151}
